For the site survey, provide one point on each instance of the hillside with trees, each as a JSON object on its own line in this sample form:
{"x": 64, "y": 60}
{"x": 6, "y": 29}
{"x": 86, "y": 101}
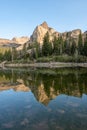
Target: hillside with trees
{"x": 48, "y": 45}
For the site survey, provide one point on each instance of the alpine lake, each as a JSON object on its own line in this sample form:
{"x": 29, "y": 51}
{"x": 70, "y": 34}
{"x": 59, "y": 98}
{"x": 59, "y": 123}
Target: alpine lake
{"x": 43, "y": 99}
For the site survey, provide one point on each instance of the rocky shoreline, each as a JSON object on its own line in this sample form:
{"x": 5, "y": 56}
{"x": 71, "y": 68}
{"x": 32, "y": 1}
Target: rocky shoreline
{"x": 47, "y": 65}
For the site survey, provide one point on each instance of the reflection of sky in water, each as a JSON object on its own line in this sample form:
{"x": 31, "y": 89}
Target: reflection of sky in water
{"x": 21, "y": 111}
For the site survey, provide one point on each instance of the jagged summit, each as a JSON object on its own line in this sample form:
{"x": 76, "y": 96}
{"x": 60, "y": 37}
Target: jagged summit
{"x": 44, "y": 25}
{"x": 40, "y": 31}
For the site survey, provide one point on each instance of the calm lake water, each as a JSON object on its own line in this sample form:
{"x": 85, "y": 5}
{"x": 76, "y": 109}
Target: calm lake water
{"x": 43, "y": 99}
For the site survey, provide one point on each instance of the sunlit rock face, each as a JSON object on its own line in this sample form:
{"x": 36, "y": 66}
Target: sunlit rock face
{"x": 20, "y": 40}
{"x": 46, "y": 86}
{"x": 84, "y": 35}
{"x": 17, "y": 40}
{"x": 40, "y": 31}
{"x": 42, "y": 96}
{"x": 18, "y": 86}
{"x": 45, "y": 25}
{"x": 71, "y": 35}
{"x": 4, "y": 41}
{"x": 21, "y": 87}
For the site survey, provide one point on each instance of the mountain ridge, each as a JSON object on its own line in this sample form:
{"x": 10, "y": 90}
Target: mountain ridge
{"x": 39, "y": 33}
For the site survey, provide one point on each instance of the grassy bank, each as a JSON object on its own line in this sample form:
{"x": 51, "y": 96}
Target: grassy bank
{"x": 63, "y": 58}
{"x": 50, "y": 62}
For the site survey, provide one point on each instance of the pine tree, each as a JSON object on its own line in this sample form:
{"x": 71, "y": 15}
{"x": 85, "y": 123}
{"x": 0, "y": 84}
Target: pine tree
{"x": 1, "y": 56}
{"x": 67, "y": 47}
{"x": 36, "y": 49}
{"x": 47, "y": 46}
{"x": 56, "y": 46}
{"x": 7, "y": 55}
{"x": 85, "y": 46}
{"x": 80, "y": 44}
{"x": 24, "y": 51}
{"x": 61, "y": 45}
{"x": 14, "y": 53}
{"x": 73, "y": 48}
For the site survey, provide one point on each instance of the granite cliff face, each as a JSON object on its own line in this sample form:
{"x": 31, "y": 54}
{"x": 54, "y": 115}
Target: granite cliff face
{"x": 16, "y": 40}
{"x": 20, "y": 40}
{"x": 5, "y": 41}
{"x": 18, "y": 86}
{"x": 71, "y": 35}
{"x": 40, "y": 31}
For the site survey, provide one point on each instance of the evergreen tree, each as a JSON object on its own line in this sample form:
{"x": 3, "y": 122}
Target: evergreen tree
{"x": 39, "y": 50}
{"x": 80, "y": 44}
{"x": 1, "y": 56}
{"x": 73, "y": 48}
{"x": 61, "y": 45}
{"x": 36, "y": 50}
{"x": 56, "y": 46}
{"x": 14, "y": 53}
{"x": 24, "y": 51}
{"x": 7, "y": 55}
{"x": 47, "y": 46}
{"x": 85, "y": 46}
{"x": 67, "y": 47}
{"x": 50, "y": 48}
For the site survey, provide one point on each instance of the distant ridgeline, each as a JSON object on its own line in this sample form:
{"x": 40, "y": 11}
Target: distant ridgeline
{"x": 46, "y": 44}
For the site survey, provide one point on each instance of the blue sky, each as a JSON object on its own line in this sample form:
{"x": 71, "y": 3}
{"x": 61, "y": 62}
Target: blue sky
{"x": 20, "y": 17}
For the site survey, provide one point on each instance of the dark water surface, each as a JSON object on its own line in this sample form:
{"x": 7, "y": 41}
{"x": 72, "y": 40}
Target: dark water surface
{"x": 43, "y": 99}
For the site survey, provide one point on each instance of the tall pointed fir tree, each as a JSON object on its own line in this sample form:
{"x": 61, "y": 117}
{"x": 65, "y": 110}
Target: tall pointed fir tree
{"x": 85, "y": 46}
{"x": 56, "y": 46}
{"x": 61, "y": 45}
{"x": 73, "y": 48}
{"x": 47, "y": 46}
{"x": 80, "y": 44}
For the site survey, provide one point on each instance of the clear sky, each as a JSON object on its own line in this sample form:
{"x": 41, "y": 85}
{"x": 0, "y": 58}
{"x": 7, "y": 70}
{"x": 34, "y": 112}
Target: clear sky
{"x": 20, "y": 17}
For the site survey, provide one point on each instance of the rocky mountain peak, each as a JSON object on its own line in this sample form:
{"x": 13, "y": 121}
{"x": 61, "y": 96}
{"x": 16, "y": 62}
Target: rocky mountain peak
{"x": 40, "y": 31}
{"x": 44, "y": 25}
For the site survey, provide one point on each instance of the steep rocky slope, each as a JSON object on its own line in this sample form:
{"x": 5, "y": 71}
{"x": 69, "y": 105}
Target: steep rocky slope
{"x": 40, "y": 31}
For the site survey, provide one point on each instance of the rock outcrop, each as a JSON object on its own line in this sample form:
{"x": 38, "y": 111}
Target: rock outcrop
{"x": 42, "y": 29}
{"x": 20, "y": 41}
{"x": 40, "y": 32}
{"x": 18, "y": 86}
{"x": 5, "y": 41}
{"x": 71, "y": 35}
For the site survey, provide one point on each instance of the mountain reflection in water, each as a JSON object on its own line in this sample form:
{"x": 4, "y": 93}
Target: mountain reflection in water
{"x": 45, "y": 87}
{"x": 66, "y": 86}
